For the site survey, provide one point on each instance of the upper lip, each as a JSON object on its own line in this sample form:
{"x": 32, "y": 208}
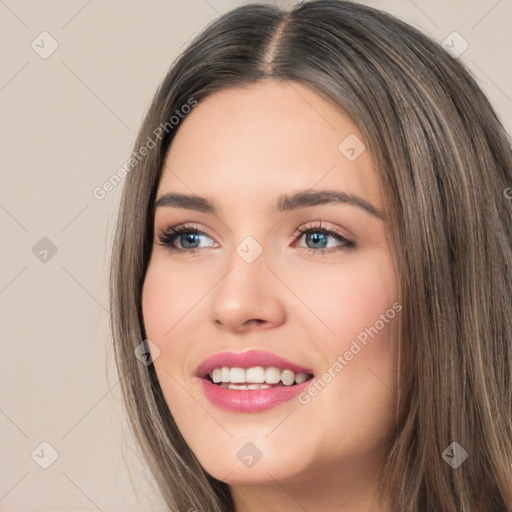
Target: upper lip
{"x": 248, "y": 359}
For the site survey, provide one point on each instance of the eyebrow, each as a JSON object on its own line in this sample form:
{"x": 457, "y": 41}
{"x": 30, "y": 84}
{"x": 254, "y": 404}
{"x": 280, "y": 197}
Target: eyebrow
{"x": 287, "y": 202}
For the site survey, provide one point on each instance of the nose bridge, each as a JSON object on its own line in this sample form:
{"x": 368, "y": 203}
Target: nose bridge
{"x": 245, "y": 293}
{"x": 247, "y": 266}
{"x": 250, "y": 250}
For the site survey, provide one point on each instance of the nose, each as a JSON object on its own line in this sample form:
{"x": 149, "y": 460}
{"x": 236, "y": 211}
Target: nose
{"x": 248, "y": 297}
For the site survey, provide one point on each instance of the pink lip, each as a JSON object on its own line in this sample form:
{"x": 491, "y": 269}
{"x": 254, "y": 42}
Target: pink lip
{"x": 250, "y": 400}
{"x": 246, "y": 360}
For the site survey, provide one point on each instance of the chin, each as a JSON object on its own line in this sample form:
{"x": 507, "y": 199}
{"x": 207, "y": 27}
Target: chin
{"x": 249, "y": 466}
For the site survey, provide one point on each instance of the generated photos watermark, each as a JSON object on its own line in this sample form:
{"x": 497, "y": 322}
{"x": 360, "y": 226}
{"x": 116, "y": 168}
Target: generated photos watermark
{"x": 100, "y": 192}
{"x": 344, "y": 359}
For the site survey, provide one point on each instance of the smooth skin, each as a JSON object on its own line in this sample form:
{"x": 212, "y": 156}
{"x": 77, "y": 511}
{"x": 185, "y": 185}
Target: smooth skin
{"x": 305, "y": 298}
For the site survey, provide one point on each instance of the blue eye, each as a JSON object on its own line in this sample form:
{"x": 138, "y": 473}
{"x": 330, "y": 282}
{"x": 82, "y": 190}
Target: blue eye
{"x": 186, "y": 239}
{"x": 317, "y": 240}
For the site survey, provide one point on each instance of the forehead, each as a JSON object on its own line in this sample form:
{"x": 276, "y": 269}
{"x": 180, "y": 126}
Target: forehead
{"x": 269, "y": 136}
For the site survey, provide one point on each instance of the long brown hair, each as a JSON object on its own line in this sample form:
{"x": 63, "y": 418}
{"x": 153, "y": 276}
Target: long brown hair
{"x": 444, "y": 161}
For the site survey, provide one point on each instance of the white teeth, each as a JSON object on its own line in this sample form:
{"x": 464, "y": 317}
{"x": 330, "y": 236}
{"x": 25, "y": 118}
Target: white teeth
{"x": 249, "y": 386}
{"x": 234, "y": 386}
{"x": 272, "y": 375}
{"x": 236, "y": 375}
{"x": 301, "y": 377}
{"x": 256, "y": 375}
{"x": 288, "y": 377}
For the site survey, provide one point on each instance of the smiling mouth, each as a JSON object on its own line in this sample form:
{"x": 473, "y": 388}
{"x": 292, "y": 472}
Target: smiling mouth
{"x": 242, "y": 385}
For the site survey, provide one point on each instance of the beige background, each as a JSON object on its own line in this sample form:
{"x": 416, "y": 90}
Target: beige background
{"x": 69, "y": 122}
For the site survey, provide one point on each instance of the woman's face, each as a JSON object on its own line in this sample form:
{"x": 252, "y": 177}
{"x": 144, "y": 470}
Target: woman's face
{"x": 325, "y": 300}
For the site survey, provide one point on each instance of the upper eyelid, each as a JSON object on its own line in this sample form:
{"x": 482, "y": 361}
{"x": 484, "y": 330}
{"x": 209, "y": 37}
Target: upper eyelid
{"x": 320, "y": 227}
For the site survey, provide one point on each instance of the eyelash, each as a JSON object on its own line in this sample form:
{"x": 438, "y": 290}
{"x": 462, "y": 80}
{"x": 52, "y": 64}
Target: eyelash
{"x": 167, "y": 238}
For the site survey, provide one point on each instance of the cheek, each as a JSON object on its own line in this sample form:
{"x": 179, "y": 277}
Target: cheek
{"x": 154, "y": 304}
{"x": 356, "y": 336}
{"x": 350, "y": 298}
{"x": 167, "y": 306}
{"x": 166, "y": 297}
{"x": 367, "y": 302}
{"x": 359, "y": 353}
{"x": 172, "y": 309}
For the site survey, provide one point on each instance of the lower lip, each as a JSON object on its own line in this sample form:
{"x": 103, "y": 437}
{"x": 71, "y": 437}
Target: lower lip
{"x": 251, "y": 400}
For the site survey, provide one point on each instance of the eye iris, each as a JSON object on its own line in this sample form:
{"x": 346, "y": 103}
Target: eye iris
{"x": 189, "y": 237}
{"x": 315, "y": 237}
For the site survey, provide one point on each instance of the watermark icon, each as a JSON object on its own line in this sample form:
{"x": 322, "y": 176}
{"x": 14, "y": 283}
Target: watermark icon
{"x": 455, "y": 44}
{"x": 343, "y": 359}
{"x": 455, "y": 455}
{"x": 249, "y": 249}
{"x": 508, "y": 193}
{"x": 44, "y": 250}
{"x": 100, "y": 192}
{"x": 147, "y": 352}
{"x": 249, "y": 455}
{"x": 44, "y": 45}
{"x": 44, "y": 455}
{"x": 351, "y": 147}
